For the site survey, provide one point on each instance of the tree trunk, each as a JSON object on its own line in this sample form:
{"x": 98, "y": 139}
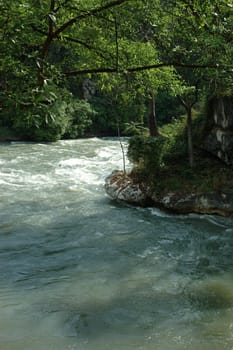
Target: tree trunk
{"x": 46, "y": 46}
{"x": 190, "y": 136}
{"x": 153, "y": 128}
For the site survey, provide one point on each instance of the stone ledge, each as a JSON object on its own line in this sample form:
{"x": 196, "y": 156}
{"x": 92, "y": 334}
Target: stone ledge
{"x": 120, "y": 186}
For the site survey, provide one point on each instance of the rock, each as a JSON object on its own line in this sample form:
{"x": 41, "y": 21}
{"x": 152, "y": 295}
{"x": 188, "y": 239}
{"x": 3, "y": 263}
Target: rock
{"x": 120, "y": 186}
{"x": 202, "y": 203}
{"x": 215, "y": 203}
{"x": 179, "y": 202}
{"x": 219, "y": 139}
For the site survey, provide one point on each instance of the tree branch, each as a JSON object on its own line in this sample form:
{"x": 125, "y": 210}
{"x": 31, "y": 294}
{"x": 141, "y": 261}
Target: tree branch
{"x": 148, "y": 67}
{"x": 89, "y": 47}
{"x": 88, "y": 14}
{"x": 182, "y": 101}
{"x": 51, "y": 11}
{"x": 38, "y": 30}
{"x": 195, "y": 94}
{"x": 116, "y": 43}
{"x": 90, "y": 71}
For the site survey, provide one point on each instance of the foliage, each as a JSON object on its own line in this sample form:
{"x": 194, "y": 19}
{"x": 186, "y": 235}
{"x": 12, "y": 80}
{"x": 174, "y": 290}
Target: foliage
{"x": 147, "y": 46}
{"x": 47, "y": 114}
{"x": 210, "y": 175}
{"x": 153, "y": 155}
{"x": 135, "y": 128}
{"x": 147, "y": 152}
{"x": 116, "y": 105}
{"x": 167, "y": 107}
{"x": 81, "y": 113}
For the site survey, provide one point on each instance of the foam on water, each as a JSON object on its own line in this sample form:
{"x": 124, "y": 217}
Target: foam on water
{"x": 160, "y": 213}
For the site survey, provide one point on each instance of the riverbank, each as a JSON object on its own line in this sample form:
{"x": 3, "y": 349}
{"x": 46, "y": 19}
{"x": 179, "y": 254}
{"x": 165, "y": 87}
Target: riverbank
{"x": 207, "y": 189}
{"x": 162, "y": 177}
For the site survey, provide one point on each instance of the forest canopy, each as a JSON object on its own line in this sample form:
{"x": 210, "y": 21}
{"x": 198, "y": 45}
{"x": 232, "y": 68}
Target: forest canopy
{"x": 67, "y": 64}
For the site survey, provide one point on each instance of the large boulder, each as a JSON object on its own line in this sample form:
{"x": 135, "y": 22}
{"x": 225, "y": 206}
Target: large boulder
{"x": 219, "y": 139}
{"x": 120, "y": 186}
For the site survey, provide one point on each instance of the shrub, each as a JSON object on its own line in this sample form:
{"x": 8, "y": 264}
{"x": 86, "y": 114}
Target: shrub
{"x": 47, "y": 114}
{"x": 151, "y": 154}
{"x": 81, "y": 113}
{"x": 147, "y": 152}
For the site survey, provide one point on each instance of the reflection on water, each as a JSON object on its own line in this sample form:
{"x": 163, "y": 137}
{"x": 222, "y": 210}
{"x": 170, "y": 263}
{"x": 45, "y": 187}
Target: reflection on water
{"x": 79, "y": 272}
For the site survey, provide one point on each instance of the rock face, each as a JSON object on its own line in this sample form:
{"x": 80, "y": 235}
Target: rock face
{"x": 121, "y": 187}
{"x": 219, "y": 140}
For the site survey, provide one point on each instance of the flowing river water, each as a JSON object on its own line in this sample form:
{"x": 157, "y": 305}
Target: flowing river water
{"x": 81, "y": 272}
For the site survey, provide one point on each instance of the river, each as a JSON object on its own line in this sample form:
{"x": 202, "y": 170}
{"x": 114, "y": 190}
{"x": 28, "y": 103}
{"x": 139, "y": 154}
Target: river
{"x": 81, "y": 272}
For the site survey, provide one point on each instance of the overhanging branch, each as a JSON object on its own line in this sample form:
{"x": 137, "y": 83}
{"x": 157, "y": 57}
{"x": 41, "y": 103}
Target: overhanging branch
{"x": 147, "y": 67}
{"x": 89, "y": 71}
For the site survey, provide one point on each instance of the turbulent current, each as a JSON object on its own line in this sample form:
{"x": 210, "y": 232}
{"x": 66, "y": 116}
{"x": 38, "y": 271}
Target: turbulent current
{"x": 81, "y": 272}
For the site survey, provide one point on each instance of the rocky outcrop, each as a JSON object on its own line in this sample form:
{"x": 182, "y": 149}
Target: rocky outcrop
{"x": 202, "y": 203}
{"x": 122, "y": 187}
{"x": 219, "y": 139}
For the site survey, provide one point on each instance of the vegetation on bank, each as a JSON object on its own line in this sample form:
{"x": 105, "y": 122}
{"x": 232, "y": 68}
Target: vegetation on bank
{"x": 162, "y": 162}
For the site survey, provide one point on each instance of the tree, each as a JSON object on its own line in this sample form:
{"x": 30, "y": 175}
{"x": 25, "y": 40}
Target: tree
{"x": 32, "y": 74}
{"x": 46, "y": 43}
{"x": 188, "y": 99}
{"x": 201, "y": 33}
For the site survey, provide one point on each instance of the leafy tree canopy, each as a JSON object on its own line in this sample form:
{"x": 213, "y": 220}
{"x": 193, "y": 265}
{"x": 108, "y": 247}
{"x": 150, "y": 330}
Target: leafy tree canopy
{"x": 149, "y": 45}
